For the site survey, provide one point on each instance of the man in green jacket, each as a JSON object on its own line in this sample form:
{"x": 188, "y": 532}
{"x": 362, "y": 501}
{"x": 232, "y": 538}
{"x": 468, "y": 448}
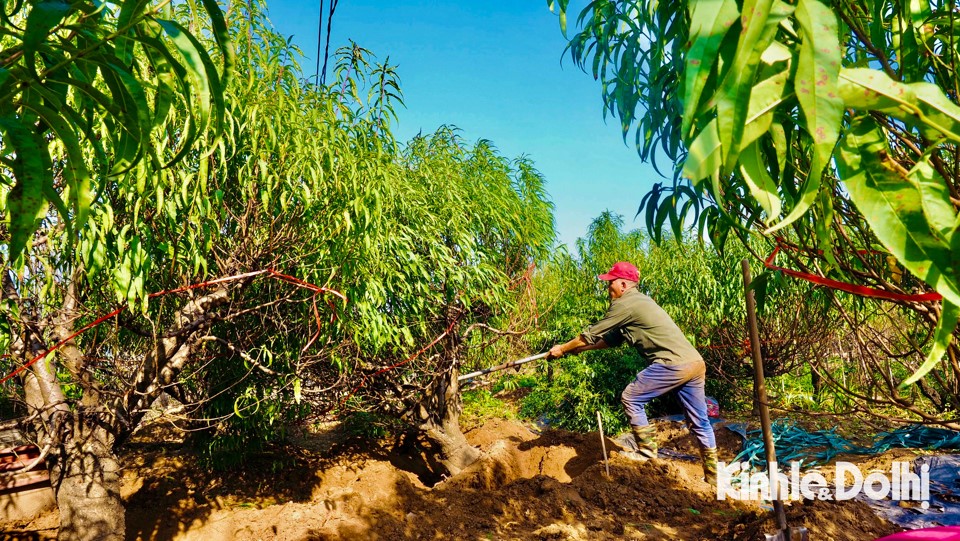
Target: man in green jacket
{"x": 674, "y": 363}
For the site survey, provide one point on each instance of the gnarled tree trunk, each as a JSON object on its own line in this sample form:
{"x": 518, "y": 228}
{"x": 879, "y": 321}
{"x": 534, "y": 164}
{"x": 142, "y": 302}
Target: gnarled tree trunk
{"x": 85, "y": 469}
{"x": 447, "y": 451}
{"x": 87, "y": 480}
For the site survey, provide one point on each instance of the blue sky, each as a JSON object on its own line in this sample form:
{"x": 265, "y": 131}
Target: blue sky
{"x": 493, "y": 69}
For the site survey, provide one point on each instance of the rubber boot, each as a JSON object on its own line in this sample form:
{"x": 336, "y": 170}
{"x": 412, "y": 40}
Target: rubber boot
{"x": 646, "y": 439}
{"x": 709, "y": 457}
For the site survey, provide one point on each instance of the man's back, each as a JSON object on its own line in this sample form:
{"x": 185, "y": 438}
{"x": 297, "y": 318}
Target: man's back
{"x": 642, "y": 323}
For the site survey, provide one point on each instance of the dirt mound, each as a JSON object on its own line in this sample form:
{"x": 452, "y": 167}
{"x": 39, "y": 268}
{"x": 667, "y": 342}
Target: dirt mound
{"x": 528, "y": 485}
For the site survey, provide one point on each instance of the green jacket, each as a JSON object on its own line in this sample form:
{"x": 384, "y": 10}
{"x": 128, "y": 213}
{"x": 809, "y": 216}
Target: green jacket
{"x": 635, "y": 319}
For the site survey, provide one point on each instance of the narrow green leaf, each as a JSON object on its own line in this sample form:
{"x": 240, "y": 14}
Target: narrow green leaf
{"x": 199, "y": 67}
{"x": 878, "y": 19}
{"x": 703, "y": 157}
{"x": 710, "y": 20}
{"x": 75, "y": 170}
{"x": 762, "y": 18}
{"x": 941, "y": 340}
{"x": 778, "y": 136}
{"x": 823, "y": 224}
{"x": 131, "y": 131}
{"x": 912, "y": 57}
{"x": 130, "y": 12}
{"x": 935, "y": 199}
{"x": 44, "y": 16}
{"x": 25, "y": 202}
{"x": 939, "y": 113}
{"x": 4, "y": 77}
{"x": 222, "y": 34}
{"x": 815, "y": 83}
{"x": 764, "y": 99}
{"x": 762, "y": 187}
{"x": 919, "y": 104}
{"x": 167, "y": 70}
{"x": 869, "y": 89}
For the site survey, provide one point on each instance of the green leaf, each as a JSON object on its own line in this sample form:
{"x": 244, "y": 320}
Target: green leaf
{"x": 222, "y": 34}
{"x": 703, "y": 157}
{"x": 815, "y": 86}
{"x": 869, "y": 89}
{"x": 75, "y": 169}
{"x": 733, "y": 98}
{"x": 130, "y": 12}
{"x": 935, "y": 199}
{"x": 202, "y": 73}
{"x": 25, "y": 203}
{"x": 892, "y": 204}
{"x": 764, "y": 99}
{"x": 778, "y": 137}
{"x": 823, "y": 225}
{"x": 941, "y": 340}
{"x": 919, "y": 104}
{"x": 758, "y": 179}
{"x": 938, "y": 112}
{"x": 43, "y": 17}
{"x": 912, "y": 58}
{"x": 878, "y": 20}
{"x": 710, "y": 20}
{"x": 718, "y": 228}
{"x": 134, "y": 123}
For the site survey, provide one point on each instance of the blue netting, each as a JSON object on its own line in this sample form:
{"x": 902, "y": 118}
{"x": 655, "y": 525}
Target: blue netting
{"x": 793, "y": 443}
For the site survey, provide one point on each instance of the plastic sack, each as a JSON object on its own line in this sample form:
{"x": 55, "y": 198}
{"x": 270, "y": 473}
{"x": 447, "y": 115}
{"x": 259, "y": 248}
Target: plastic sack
{"x": 713, "y": 407}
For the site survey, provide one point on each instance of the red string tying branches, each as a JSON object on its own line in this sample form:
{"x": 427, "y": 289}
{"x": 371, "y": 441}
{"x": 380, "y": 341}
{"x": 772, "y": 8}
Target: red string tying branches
{"x": 397, "y": 365}
{"x": 863, "y": 291}
{"x": 317, "y": 290}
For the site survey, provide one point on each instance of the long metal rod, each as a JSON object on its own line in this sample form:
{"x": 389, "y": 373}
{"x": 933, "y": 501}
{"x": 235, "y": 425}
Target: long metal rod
{"x": 603, "y": 443}
{"x": 760, "y": 392}
{"x": 504, "y": 366}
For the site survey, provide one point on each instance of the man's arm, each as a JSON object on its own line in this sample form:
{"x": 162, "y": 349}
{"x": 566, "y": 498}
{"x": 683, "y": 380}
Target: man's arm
{"x": 575, "y": 346}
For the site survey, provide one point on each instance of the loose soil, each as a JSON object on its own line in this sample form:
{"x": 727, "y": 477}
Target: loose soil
{"x": 528, "y": 485}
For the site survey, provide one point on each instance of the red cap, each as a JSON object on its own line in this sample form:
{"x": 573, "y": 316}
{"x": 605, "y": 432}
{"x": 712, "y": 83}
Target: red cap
{"x": 621, "y": 269}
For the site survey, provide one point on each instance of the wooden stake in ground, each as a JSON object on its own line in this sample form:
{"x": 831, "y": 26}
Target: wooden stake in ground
{"x": 603, "y": 444}
{"x": 760, "y": 392}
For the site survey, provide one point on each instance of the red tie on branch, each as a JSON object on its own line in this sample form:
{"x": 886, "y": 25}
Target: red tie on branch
{"x": 270, "y": 272}
{"x": 391, "y": 367}
{"x": 863, "y": 291}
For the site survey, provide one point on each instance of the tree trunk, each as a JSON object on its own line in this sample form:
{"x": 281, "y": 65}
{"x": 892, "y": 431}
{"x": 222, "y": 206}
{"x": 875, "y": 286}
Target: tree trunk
{"x": 447, "y": 451}
{"x": 85, "y": 471}
{"x": 87, "y": 479}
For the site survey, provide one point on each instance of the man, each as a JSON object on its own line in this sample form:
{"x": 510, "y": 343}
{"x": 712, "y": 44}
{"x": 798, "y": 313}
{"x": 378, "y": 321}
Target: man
{"x": 674, "y": 363}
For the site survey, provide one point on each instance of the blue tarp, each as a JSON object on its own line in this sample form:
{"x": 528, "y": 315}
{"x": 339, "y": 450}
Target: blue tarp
{"x": 944, "y": 509}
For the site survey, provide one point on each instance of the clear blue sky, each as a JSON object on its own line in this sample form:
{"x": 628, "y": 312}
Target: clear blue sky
{"x": 493, "y": 69}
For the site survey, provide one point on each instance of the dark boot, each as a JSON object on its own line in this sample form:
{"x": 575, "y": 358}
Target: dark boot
{"x": 646, "y": 439}
{"x": 709, "y": 457}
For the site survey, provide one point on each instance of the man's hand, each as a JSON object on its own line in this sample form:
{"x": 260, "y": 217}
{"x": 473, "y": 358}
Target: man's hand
{"x": 575, "y": 346}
